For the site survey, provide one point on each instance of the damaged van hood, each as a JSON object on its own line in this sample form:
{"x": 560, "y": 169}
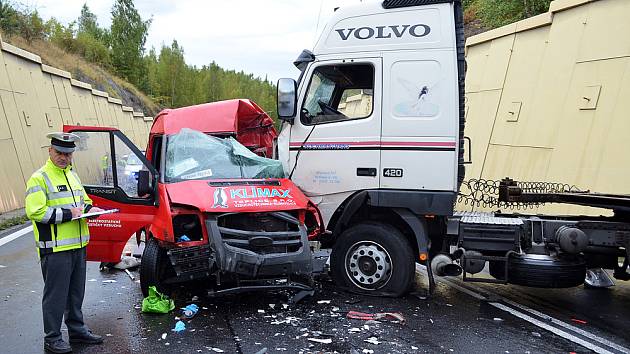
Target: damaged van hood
{"x": 235, "y": 195}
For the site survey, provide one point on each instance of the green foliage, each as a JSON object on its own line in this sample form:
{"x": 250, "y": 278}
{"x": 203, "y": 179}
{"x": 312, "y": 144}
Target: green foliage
{"x": 497, "y": 13}
{"x": 128, "y": 36}
{"x": 25, "y": 22}
{"x": 18, "y": 220}
{"x": 92, "y": 49}
{"x": 174, "y": 83}
{"x": 87, "y": 23}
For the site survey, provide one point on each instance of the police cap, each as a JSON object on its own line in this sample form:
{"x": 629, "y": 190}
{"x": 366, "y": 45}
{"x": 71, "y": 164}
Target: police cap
{"x": 63, "y": 142}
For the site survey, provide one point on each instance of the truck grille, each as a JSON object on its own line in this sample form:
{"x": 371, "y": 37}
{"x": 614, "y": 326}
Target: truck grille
{"x": 261, "y": 233}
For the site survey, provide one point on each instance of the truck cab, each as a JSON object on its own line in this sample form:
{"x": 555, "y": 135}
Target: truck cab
{"x": 210, "y": 204}
{"x": 373, "y": 133}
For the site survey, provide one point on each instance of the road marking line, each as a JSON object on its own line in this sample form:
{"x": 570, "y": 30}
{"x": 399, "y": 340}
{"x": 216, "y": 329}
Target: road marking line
{"x": 534, "y": 321}
{"x": 552, "y": 329}
{"x": 15, "y": 235}
{"x": 568, "y": 326}
{"x": 545, "y": 317}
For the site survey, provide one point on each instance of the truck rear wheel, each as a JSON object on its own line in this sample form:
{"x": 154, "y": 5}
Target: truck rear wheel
{"x": 541, "y": 271}
{"x": 154, "y": 267}
{"x": 373, "y": 258}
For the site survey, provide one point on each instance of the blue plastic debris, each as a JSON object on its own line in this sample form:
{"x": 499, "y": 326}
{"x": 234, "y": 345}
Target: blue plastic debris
{"x": 183, "y": 238}
{"x": 190, "y": 311}
{"x": 179, "y": 326}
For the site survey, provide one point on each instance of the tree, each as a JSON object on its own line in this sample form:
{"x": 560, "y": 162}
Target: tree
{"x": 88, "y": 24}
{"x": 128, "y": 36}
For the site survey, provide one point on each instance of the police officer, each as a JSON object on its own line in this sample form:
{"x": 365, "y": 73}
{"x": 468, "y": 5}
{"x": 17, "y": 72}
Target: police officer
{"x": 54, "y": 196}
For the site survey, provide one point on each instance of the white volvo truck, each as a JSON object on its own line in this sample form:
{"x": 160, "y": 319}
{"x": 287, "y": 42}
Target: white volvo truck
{"x": 373, "y": 133}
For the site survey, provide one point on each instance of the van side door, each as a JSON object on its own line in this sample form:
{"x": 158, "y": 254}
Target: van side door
{"x": 109, "y": 164}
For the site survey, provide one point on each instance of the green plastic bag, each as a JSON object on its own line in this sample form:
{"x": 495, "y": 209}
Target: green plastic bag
{"x": 157, "y": 302}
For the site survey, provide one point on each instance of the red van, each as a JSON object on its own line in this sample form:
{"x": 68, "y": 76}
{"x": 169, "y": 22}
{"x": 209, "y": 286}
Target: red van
{"x": 210, "y": 201}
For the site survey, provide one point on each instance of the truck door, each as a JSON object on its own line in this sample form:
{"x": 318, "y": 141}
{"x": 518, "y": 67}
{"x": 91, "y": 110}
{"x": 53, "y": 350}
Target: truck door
{"x": 420, "y": 120}
{"x": 108, "y": 164}
{"x": 336, "y": 135}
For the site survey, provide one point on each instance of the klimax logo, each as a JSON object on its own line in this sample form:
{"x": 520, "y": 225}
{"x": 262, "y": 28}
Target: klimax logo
{"x": 254, "y": 192}
{"x": 398, "y": 31}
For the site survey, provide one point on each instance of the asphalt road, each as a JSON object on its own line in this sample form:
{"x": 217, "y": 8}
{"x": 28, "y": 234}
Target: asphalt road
{"x": 459, "y": 318}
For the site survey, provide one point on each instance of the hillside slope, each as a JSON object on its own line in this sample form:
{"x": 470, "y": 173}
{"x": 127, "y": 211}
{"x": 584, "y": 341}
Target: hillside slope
{"x": 90, "y": 73}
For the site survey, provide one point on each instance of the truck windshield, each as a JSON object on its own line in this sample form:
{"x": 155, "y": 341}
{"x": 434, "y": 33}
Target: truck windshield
{"x": 191, "y": 155}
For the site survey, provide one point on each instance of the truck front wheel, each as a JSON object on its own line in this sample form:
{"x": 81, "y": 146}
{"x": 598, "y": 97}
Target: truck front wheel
{"x": 154, "y": 267}
{"x": 373, "y": 258}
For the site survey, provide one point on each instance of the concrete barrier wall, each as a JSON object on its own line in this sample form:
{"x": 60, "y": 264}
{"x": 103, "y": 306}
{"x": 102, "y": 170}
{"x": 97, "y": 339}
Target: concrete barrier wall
{"x": 36, "y": 99}
{"x": 548, "y": 99}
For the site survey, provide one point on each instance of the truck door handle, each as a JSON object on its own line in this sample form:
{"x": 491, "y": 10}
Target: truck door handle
{"x": 364, "y": 171}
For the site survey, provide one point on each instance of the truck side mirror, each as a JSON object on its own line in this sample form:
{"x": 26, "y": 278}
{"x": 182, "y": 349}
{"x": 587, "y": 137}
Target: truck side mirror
{"x": 287, "y": 99}
{"x": 144, "y": 183}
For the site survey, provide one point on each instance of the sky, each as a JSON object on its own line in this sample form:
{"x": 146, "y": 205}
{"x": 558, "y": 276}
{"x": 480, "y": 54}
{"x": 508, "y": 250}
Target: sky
{"x": 261, "y": 37}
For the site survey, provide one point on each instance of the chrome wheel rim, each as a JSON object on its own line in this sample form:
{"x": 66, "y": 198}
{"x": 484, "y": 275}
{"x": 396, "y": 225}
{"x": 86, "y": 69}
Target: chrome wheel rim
{"x": 368, "y": 265}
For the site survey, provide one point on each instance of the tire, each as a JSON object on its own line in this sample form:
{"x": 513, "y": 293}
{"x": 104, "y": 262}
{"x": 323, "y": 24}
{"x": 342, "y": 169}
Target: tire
{"x": 154, "y": 268}
{"x": 541, "y": 271}
{"x": 383, "y": 260}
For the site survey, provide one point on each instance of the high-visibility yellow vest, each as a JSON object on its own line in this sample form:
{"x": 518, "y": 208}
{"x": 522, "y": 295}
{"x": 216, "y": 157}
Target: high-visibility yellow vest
{"x": 50, "y": 194}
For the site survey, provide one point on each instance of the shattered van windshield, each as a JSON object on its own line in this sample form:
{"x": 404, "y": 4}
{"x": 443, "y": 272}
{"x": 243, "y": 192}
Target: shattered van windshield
{"x": 191, "y": 154}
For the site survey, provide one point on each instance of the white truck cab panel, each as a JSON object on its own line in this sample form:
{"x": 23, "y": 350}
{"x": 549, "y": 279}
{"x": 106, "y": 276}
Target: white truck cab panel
{"x": 377, "y": 107}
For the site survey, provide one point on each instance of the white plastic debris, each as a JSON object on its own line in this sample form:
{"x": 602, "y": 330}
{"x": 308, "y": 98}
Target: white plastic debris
{"x": 109, "y": 281}
{"x": 92, "y": 279}
{"x": 285, "y": 306}
{"x": 373, "y": 340}
{"x": 497, "y": 319}
{"x": 320, "y": 340}
{"x": 368, "y": 351}
{"x": 272, "y": 306}
{"x": 449, "y": 305}
{"x": 261, "y": 311}
{"x": 129, "y": 274}
{"x": 354, "y": 330}
{"x": 163, "y": 335}
{"x": 536, "y": 334}
{"x": 195, "y": 298}
{"x": 414, "y": 347}
{"x": 217, "y": 350}
{"x": 323, "y": 302}
{"x": 430, "y": 319}
{"x": 108, "y": 335}
{"x": 127, "y": 262}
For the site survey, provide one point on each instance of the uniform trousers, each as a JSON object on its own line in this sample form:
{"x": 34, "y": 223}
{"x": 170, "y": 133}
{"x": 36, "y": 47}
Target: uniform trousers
{"x": 64, "y": 288}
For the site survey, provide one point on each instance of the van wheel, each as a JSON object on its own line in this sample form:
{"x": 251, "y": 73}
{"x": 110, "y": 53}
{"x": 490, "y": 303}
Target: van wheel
{"x": 541, "y": 271}
{"x": 154, "y": 268}
{"x": 373, "y": 258}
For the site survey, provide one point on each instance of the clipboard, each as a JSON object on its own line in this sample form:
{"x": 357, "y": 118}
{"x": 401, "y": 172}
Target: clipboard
{"x": 96, "y": 213}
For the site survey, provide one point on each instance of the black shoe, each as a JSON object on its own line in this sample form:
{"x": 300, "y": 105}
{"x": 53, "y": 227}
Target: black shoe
{"x": 88, "y": 338}
{"x": 58, "y": 346}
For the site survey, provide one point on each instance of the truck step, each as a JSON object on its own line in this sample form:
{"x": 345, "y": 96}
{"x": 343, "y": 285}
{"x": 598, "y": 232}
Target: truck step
{"x": 475, "y": 217}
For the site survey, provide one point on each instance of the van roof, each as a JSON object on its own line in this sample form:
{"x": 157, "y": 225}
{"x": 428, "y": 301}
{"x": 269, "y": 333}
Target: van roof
{"x": 231, "y": 116}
